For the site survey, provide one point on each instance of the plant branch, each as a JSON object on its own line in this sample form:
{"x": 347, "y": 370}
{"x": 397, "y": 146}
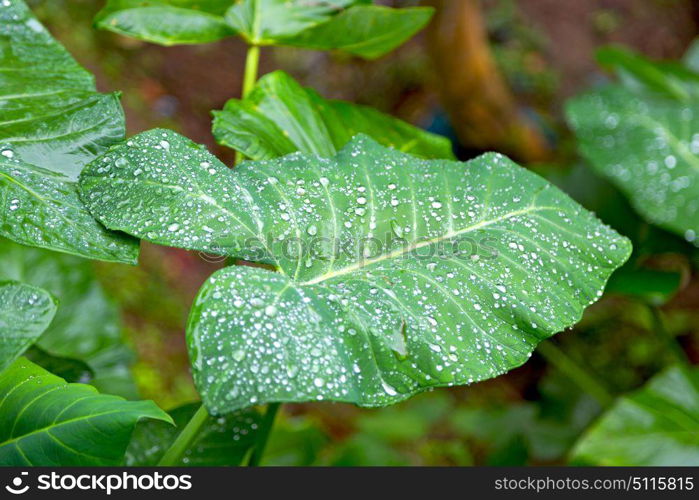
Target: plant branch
{"x": 263, "y": 436}
{"x": 252, "y": 65}
{"x": 576, "y": 373}
{"x": 176, "y": 451}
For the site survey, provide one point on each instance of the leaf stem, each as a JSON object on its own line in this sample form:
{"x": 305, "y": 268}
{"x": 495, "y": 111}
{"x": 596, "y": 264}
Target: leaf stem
{"x": 586, "y": 381}
{"x": 252, "y": 65}
{"x": 263, "y": 436}
{"x": 175, "y": 452}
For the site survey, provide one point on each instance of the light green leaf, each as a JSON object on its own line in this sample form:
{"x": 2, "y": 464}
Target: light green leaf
{"x": 396, "y": 274}
{"x": 365, "y": 31}
{"x": 25, "y": 312}
{"x": 281, "y": 117}
{"x": 222, "y": 441}
{"x": 87, "y": 325}
{"x": 658, "y": 425}
{"x": 167, "y": 22}
{"x": 46, "y": 422}
{"x": 53, "y": 122}
{"x": 647, "y": 146}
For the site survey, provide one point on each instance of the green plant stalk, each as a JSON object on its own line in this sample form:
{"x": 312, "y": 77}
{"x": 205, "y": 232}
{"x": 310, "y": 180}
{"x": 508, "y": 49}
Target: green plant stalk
{"x": 672, "y": 345}
{"x": 576, "y": 373}
{"x": 174, "y": 453}
{"x": 263, "y": 436}
{"x": 252, "y": 65}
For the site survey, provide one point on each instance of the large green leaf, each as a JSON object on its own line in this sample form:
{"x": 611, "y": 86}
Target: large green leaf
{"x": 281, "y": 117}
{"x": 87, "y": 325}
{"x": 25, "y": 312}
{"x": 396, "y": 274}
{"x": 167, "y": 22}
{"x": 657, "y": 425}
{"x": 53, "y": 123}
{"x": 45, "y": 421}
{"x": 648, "y": 147}
{"x": 222, "y": 441}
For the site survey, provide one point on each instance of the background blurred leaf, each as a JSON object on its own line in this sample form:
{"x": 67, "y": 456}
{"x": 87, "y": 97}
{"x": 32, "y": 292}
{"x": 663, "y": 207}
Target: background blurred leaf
{"x": 70, "y": 370}
{"x": 281, "y": 117}
{"x": 87, "y": 326}
{"x": 167, "y": 22}
{"x": 46, "y": 422}
{"x": 222, "y": 441}
{"x": 544, "y": 269}
{"x": 657, "y": 425}
{"x": 25, "y": 312}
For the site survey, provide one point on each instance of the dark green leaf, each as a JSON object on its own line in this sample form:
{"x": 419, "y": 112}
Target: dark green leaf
{"x": 167, "y": 22}
{"x": 25, "y": 312}
{"x": 655, "y": 287}
{"x": 53, "y": 123}
{"x": 638, "y": 73}
{"x": 446, "y": 273}
{"x": 45, "y": 421}
{"x": 222, "y": 441}
{"x": 281, "y": 117}
{"x": 87, "y": 325}
{"x": 70, "y": 370}
{"x": 657, "y": 425}
{"x": 646, "y": 146}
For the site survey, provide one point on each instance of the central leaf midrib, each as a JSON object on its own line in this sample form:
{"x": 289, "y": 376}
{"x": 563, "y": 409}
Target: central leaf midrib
{"x": 421, "y": 244}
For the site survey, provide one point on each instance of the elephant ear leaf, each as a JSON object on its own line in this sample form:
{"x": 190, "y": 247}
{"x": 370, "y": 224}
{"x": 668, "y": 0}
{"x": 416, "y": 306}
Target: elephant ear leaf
{"x": 281, "y": 117}
{"x": 352, "y": 26}
{"x": 167, "y": 22}
{"x": 45, "y": 421}
{"x": 395, "y": 274}
{"x": 25, "y": 313}
{"x": 654, "y": 426}
{"x": 53, "y": 123}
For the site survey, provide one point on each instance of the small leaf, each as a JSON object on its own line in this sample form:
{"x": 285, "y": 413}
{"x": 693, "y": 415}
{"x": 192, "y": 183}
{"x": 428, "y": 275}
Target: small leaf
{"x": 222, "y": 441}
{"x": 281, "y": 117}
{"x": 364, "y": 31}
{"x": 46, "y": 422}
{"x": 646, "y": 146}
{"x": 396, "y": 274}
{"x": 167, "y": 22}
{"x": 53, "y": 123}
{"x": 657, "y": 425}
{"x": 25, "y": 313}
{"x": 87, "y": 326}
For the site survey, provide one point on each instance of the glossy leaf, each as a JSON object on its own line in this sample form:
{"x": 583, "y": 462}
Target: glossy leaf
{"x": 281, "y": 117}
{"x": 45, "y": 421}
{"x": 167, "y": 22}
{"x": 25, "y": 312}
{"x": 53, "y": 123}
{"x": 647, "y": 146}
{"x": 87, "y": 326}
{"x": 395, "y": 274}
{"x": 222, "y": 441}
{"x": 657, "y": 425}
